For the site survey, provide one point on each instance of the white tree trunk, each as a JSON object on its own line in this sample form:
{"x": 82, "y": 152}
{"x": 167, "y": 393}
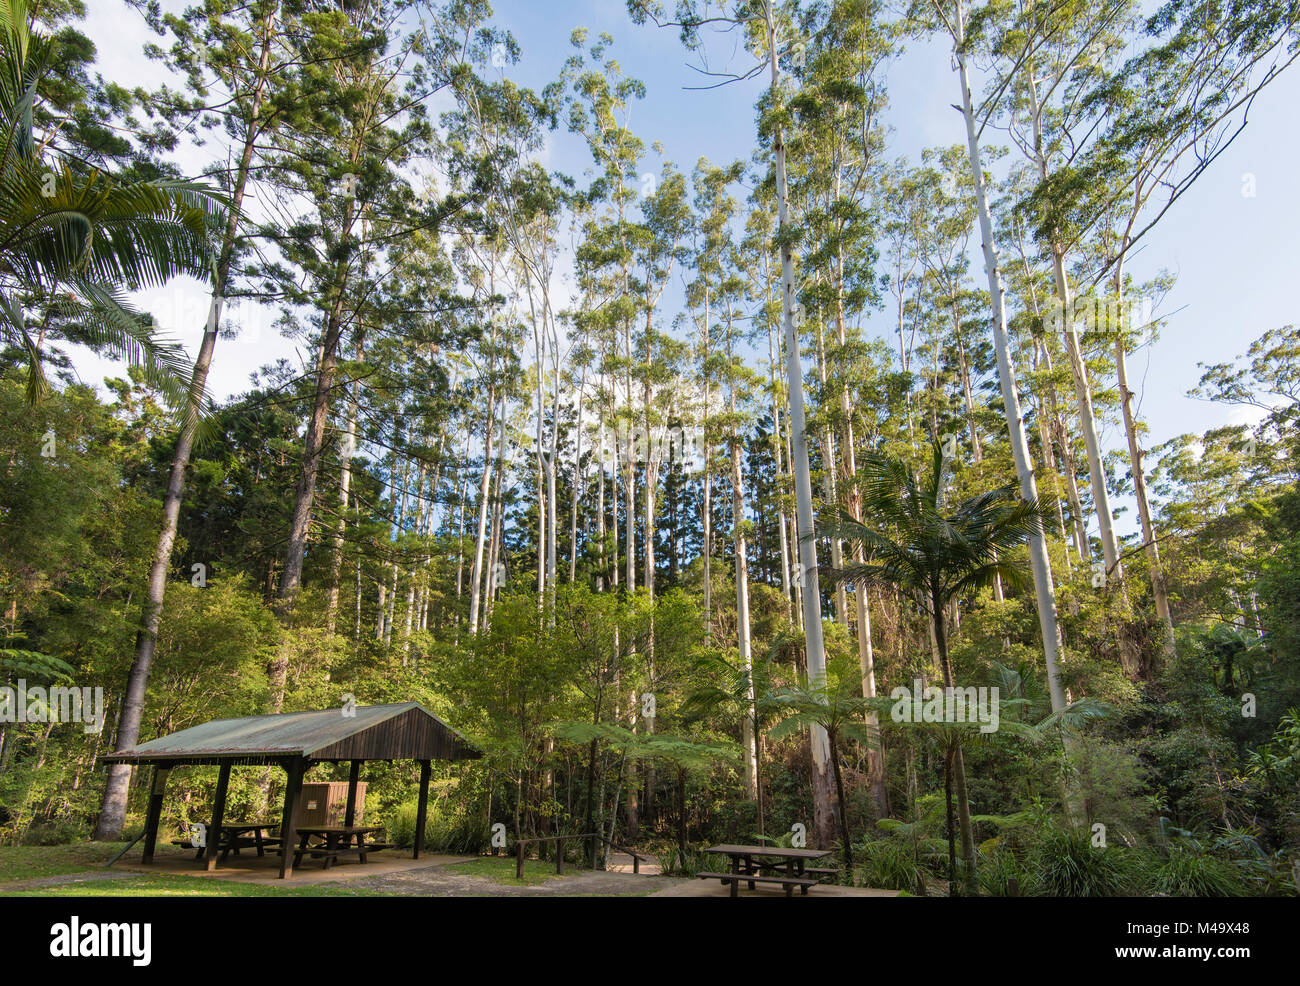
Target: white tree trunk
{"x": 824, "y": 806}
{"x": 1039, "y": 561}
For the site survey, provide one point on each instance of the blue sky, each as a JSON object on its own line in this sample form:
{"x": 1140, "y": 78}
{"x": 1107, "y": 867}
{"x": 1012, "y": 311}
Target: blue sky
{"x": 1235, "y": 257}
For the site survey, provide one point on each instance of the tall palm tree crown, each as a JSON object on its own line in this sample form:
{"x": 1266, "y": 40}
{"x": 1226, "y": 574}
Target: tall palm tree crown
{"x": 914, "y": 541}
{"x": 73, "y": 239}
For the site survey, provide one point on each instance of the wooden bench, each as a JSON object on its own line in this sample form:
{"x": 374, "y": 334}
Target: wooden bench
{"x": 787, "y": 881}
{"x": 330, "y": 855}
{"x": 235, "y": 837}
{"x": 337, "y": 841}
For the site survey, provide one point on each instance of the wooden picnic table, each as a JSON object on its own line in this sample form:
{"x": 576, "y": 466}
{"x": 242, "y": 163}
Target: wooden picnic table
{"x": 748, "y": 864}
{"x": 336, "y": 840}
{"x": 240, "y": 835}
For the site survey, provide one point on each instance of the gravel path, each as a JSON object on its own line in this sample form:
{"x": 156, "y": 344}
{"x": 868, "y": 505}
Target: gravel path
{"x": 441, "y": 881}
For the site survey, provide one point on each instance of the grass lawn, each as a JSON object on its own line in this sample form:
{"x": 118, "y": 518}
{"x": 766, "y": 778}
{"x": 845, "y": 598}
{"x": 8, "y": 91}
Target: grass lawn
{"x": 182, "y": 886}
{"x": 33, "y": 862}
{"x": 27, "y": 862}
{"x": 502, "y": 870}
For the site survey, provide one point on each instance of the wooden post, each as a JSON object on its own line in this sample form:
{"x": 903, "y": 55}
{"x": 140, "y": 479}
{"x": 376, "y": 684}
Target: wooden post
{"x": 519, "y": 861}
{"x": 350, "y": 816}
{"x": 160, "y": 774}
{"x": 218, "y": 816}
{"x": 293, "y": 769}
{"x": 422, "y": 813}
{"x": 559, "y": 855}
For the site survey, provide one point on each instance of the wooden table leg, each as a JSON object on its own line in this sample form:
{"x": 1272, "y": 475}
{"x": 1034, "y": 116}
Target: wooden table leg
{"x": 331, "y": 846}
{"x": 749, "y": 868}
{"x": 257, "y": 837}
{"x": 361, "y": 845}
{"x": 302, "y": 848}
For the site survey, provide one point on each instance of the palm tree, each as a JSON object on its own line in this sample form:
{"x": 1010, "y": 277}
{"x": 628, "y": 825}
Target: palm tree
{"x": 935, "y": 552}
{"x": 72, "y": 238}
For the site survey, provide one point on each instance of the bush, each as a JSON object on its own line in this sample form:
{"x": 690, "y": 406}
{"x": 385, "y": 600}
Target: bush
{"x": 997, "y": 870}
{"x": 888, "y": 865}
{"x": 456, "y": 833}
{"x": 445, "y": 831}
{"x": 1066, "y": 864}
{"x": 1187, "y": 873}
{"x": 672, "y": 863}
{"x": 58, "y": 832}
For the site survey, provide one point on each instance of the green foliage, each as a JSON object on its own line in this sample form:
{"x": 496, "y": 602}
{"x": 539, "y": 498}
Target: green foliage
{"x": 1187, "y": 873}
{"x": 1066, "y": 864}
{"x": 411, "y": 236}
{"x": 888, "y": 865}
{"x": 674, "y": 863}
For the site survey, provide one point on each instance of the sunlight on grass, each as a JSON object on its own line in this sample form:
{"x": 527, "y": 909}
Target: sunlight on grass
{"x": 185, "y": 886}
{"x": 29, "y": 862}
{"x": 35, "y": 862}
{"x": 502, "y": 870}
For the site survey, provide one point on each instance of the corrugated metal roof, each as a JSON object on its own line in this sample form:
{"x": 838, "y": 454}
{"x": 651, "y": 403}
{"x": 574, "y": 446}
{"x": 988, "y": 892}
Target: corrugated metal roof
{"x": 401, "y": 731}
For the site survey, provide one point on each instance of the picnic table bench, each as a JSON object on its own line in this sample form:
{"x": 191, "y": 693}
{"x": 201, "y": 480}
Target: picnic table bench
{"x": 235, "y": 836}
{"x": 336, "y": 841}
{"x": 769, "y": 864}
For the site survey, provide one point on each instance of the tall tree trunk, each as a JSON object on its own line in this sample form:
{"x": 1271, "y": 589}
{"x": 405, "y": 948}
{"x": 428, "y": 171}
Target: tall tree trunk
{"x": 345, "y": 487}
{"x": 824, "y": 806}
{"x": 112, "y": 814}
{"x": 958, "y": 764}
{"x": 749, "y": 752}
{"x": 866, "y": 656}
{"x": 1150, "y": 542}
{"x": 1078, "y": 368}
{"x": 484, "y": 490}
{"x": 777, "y": 446}
{"x": 1040, "y": 563}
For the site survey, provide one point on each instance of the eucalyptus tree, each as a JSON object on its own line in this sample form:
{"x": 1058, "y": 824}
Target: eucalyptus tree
{"x": 492, "y": 135}
{"x": 598, "y": 100}
{"x": 1046, "y": 59}
{"x": 901, "y": 227}
{"x": 945, "y": 262}
{"x": 953, "y": 17}
{"x": 837, "y": 143}
{"x": 718, "y": 291}
{"x": 757, "y": 264}
{"x": 769, "y": 35}
{"x": 1162, "y": 117}
{"x": 1034, "y": 288}
{"x": 660, "y": 246}
{"x": 715, "y": 210}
